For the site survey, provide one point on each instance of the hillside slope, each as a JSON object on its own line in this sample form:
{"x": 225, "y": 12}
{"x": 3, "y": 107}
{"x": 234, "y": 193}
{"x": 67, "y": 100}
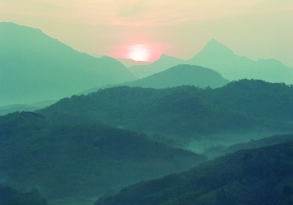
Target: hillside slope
{"x": 35, "y": 67}
{"x": 235, "y": 67}
{"x": 260, "y": 176}
{"x": 76, "y": 158}
{"x": 183, "y": 113}
{"x": 182, "y": 75}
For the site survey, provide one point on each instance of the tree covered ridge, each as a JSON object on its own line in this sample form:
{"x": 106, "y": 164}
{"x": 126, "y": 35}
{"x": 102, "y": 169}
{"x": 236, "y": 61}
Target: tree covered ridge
{"x": 259, "y": 176}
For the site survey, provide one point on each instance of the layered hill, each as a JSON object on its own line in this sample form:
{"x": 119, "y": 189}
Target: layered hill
{"x": 182, "y": 75}
{"x": 187, "y": 112}
{"x": 220, "y": 58}
{"x": 232, "y": 66}
{"x": 259, "y": 176}
{"x": 4, "y": 110}
{"x": 35, "y": 67}
{"x": 71, "y": 157}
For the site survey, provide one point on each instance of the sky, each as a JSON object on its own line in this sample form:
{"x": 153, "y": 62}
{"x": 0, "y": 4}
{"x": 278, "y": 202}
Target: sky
{"x": 253, "y": 28}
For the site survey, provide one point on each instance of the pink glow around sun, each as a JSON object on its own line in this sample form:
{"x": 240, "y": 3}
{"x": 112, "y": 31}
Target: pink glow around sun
{"x": 140, "y": 52}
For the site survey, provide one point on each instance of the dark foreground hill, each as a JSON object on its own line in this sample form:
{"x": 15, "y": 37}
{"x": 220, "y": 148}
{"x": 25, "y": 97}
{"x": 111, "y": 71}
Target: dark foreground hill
{"x": 35, "y": 67}
{"x": 182, "y": 75}
{"x": 10, "y": 196}
{"x": 73, "y": 158}
{"x": 184, "y": 113}
{"x": 261, "y": 176}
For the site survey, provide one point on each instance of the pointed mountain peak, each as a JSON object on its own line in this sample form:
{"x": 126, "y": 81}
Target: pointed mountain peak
{"x": 214, "y": 46}
{"x": 214, "y": 41}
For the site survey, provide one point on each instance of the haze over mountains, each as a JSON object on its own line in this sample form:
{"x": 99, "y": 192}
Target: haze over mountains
{"x": 115, "y": 127}
{"x": 36, "y": 67}
{"x": 68, "y": 152}
{"x": 186, "y": 113}
{"x": 225, "y": 61}
{"x": 67, "y": 157}
{"x": 234, "y": 67}
{"x": 255, "y": 144}
{"x": 4, "y": 110}
{"x": 260, "y": 176}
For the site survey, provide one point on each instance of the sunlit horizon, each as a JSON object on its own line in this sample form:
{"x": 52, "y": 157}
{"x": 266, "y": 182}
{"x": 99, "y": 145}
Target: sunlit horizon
{"x": 253, "y": 28}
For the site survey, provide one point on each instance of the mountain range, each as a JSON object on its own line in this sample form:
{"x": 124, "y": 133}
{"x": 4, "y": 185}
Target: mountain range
{"x": 185, "y": 113}
{"x": 66, "y": 157}
{"x": 225, "y": 61}
{"x": 232, "y": 66}
{"x": 36, "y": 67}
{"x": 163, "y": 133}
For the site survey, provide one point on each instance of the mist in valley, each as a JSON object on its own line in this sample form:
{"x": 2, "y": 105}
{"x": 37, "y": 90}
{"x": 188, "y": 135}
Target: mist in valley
{"x": 146, "y": 102}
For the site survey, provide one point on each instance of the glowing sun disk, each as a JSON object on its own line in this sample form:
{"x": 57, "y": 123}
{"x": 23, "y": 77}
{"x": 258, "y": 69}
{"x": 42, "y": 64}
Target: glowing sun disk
{"x": 139, "y": 52}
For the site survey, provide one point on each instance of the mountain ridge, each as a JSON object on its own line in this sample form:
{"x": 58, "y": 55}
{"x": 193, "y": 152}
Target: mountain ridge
{"x": 47, "y": 68}
{"x": 232, "y": 66}
{"x": 235, "y": 67}
{"x": 186, "y": 113}
{"x": 58, "y": 154}
{"x": 252, "y": 177}
{"x": 180, "y": 75}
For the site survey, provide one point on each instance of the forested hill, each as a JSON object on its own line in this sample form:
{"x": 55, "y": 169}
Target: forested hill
{"x": 186, "y": 112}
{"x": 75, "y": 158}
{"x": 260, "y": 176}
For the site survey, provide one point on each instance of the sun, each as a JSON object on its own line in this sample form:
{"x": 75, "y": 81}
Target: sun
{"x": 139, "y": 52}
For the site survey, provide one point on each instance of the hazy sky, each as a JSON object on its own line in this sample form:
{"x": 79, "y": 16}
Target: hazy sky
{"x": 256, "y": 28}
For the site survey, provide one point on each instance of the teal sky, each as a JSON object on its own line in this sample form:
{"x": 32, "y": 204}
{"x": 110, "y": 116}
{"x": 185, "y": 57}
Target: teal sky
{"x": 255, "y": 28}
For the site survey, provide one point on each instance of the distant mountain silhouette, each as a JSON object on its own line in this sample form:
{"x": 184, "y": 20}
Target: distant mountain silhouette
{"x": 182, "y": 75}
{"x": 222, "y": 59}
{"x": 9, "y": 196}
{"x": 260, "y": 176}
{"x": 217, "y": 56}
{"x": 185, "y": 113}
{"x": 4, "y": 110}
{"x": 160, "y": 65}
{"x": 74, "y": 157}
{"x": 35, "y": 67}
